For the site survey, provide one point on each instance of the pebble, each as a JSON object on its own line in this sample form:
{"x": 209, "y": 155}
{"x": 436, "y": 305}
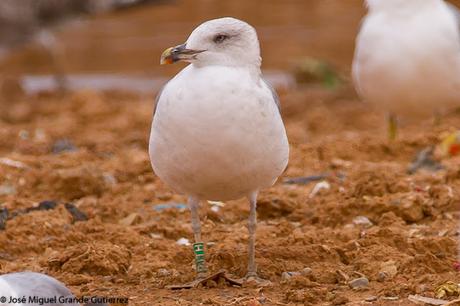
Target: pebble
{"x": 287, "y": 275}
{"x": 371, "y": 298}
{"x": 362, "y": 220}
{"x": 3, "y": 217}
{"x": 412, "y": 211}
{"x": 7, "y": 189}
{"x": 388, "y": 270}
{"x": 77, "y": 215}
{"x": 131, "y": 219}
{"x": 63, "y": 145}
{"x": 163, "y": 272}
{"x": 109, "y": 179}
{"x": 43, "y": 205}
{"x": 359, "y": 283}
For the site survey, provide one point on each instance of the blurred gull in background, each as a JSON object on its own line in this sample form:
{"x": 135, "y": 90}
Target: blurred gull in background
{"x": 23, "y": 21}
{"x": 31, "y": 284}
{"x": 217, "y": 132}
{"x": 407, "y": 57}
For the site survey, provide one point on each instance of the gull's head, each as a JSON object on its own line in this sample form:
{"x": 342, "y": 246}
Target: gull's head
{"x": 225, "y": 41}
{"x": 379, "y": 5}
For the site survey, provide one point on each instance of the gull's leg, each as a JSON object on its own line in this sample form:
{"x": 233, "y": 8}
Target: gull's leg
{"x": 198, "y": 246}
{"x": 392, "y": 126}
{"x": 252, "y": 226}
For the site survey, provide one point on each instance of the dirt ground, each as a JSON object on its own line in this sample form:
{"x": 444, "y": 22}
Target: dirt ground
{"x": 90, "y": 149}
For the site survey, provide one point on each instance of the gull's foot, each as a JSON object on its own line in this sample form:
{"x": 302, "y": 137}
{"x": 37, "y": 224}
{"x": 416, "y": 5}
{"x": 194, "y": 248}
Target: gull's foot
{"x": 252, "y": 280}
{"x": 220, "y": 278}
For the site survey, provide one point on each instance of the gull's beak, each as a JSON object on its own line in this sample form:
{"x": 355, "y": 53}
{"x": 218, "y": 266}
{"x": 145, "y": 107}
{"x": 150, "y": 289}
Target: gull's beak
{"x": 178, "y": 53}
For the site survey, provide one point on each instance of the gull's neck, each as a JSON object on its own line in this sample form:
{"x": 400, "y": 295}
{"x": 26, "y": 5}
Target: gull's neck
{"x": 254, "y": 70}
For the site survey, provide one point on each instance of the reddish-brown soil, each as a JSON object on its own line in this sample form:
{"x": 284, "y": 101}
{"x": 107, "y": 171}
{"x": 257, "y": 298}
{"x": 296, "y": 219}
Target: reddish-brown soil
{"x": 409, "y": 248}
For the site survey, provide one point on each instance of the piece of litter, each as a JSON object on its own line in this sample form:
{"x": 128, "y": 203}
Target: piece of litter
{"x": 183, "y": 241}
{"x": 304, "y": 180}
{"x": 323, "y": 185}
{"x": 215, "y": 209}
{"x": 456, "y": 265}
{"x": 426, "y": 300}
{"x": 447, "y": 289}
{"x": 172, "y": 205}
{"x": 12, "y": 163}
{"x": 450, "y": 146}
{"x": 424, "y": 160}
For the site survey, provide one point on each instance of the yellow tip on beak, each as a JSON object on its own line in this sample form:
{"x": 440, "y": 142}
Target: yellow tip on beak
{"x": 166, "y": 57}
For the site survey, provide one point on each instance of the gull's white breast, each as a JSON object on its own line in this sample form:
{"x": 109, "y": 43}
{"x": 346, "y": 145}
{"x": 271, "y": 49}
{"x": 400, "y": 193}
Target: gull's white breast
{"x": 409, "y": 62}
{"x": 217, "y": 134}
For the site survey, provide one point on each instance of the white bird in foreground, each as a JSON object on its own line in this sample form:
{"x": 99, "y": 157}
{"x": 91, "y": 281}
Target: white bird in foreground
{"x": 217, "y": 133}
{"x": 30, "y": 288}
{"x": 407, "y": 57}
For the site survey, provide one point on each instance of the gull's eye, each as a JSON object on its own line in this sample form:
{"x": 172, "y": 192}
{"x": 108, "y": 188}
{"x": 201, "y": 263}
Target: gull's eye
{"x": 220, "y": 38}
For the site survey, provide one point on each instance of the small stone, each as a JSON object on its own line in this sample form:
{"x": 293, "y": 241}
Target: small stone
{"x": 109, "y": 179}
{"x": 359, "y": 283}
{"x": 7, "y": 189}
{"x": 47, "y": 205}
{"x": 362, "y": 221}
{"x": 388, "y": 270}
{"x": 131, "y": 219}
{"x": 371, "y": 298}
{"x": 77, "y": 215}
{"x": 382, "y": 276}
{"x": 285, "y": 276}
{"x": 412, "y": 211}
{"x": 163, "y": 272}
{"x": 390, "y": 298}
{"x": 340, "y": 300}
{"x": 44, "y": 205}
{"x": 63, "y": 145}
{"x": 3, "y": 217}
